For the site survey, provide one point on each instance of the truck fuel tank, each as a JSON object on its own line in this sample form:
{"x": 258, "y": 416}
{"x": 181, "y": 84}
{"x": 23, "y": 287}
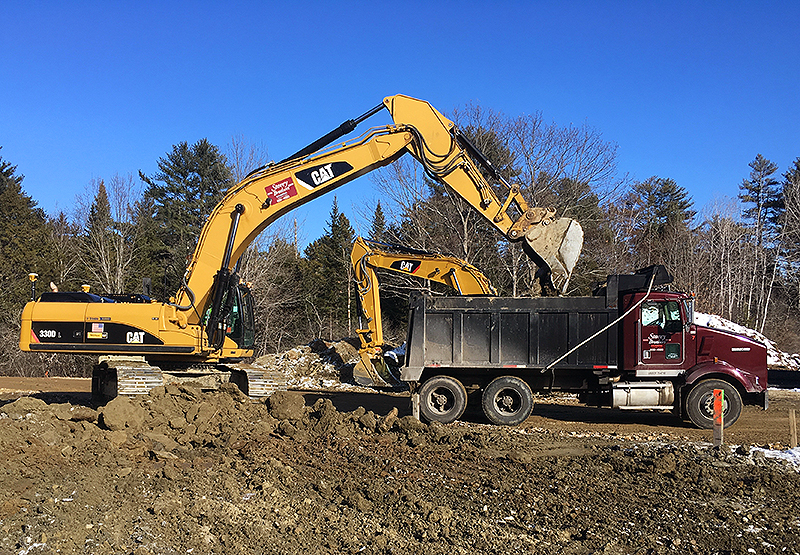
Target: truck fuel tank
{"x": 643, "y": 395}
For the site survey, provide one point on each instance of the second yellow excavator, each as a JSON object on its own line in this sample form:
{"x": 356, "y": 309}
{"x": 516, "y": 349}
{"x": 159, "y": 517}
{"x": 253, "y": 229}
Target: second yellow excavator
{"x": 367, "y": 256}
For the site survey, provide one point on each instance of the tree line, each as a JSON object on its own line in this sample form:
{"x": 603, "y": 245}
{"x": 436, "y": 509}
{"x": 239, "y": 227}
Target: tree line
{"x": 741, "y": 256}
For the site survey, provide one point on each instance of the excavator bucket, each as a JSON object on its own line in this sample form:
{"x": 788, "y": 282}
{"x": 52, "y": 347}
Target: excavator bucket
{"x": 559, "y": 246}
{"x": 373, "y": 372}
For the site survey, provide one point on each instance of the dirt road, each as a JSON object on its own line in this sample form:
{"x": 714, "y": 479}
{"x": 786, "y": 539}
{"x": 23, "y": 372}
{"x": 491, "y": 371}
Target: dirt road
{"x": 186, "y": 471}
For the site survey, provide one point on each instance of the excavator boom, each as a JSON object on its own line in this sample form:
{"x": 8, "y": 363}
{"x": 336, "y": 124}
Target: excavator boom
{"x": 420, "y": 130}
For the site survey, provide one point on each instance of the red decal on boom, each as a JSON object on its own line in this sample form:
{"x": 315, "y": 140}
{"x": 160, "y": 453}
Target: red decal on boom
{"x": 280, "y": 191}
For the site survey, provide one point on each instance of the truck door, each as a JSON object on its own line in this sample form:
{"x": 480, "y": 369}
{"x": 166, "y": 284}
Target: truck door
{"x": 661, "y": 339}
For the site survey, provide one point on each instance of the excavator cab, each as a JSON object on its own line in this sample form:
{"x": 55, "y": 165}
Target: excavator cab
{"x": 241, "y": 322}
{"x": 236, "y": 316}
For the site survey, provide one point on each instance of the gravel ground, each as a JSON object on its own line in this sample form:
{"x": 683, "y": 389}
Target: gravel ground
{"x": 188, "y": 471}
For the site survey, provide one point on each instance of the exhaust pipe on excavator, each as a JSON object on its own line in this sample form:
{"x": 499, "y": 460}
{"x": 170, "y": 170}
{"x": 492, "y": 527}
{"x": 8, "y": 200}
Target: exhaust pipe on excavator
{"x": 554, "y": 246}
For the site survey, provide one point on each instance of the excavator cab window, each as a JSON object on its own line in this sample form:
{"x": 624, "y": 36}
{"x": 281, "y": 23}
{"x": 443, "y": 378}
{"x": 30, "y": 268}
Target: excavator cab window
{"x": 241, "y": 322}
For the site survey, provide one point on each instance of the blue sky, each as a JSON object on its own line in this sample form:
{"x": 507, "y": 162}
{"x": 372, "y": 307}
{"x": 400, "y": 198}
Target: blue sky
{"x": 688, "y": 90}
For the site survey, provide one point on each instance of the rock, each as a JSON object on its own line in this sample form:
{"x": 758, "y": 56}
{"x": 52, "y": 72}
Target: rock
{"x": 368, "y": 421}
{"x": 386, "y": 422}
{"x": 519, "y": 456}
{"x": 318, "y": 346}
{"x": 117, "y": 437}
{"x": 410, "y": 424}
{"x": 65, "y": 411}
{"x": 233, "y": 390}
{"x": 665, "y": 464}
{"x": 121, "y": 413}
{"x": 166, "y": 443}
{"x": 345, "y": 350}
{"x": 286, "y": 405}
{"x": 23, "y": 406}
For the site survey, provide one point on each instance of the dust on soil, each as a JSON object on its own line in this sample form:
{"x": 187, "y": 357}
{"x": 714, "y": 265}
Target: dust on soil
{"x": 189, "y": 471}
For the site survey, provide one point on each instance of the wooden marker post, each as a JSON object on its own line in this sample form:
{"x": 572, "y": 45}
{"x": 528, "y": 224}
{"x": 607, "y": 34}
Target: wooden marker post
{"x": 792, "y": 429}
{"x": 719, "y": 420}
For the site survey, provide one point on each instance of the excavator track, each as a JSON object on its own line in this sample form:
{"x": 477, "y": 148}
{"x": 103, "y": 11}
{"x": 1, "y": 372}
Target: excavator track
{"x": 257, "y": 382}
{"x": 124, "y": 376}
{"x": 135, "y": 376}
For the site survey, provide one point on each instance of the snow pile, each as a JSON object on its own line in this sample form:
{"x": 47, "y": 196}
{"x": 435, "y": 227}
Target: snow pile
{"x": 790, "y": 455}
{"x": 775, "y": 357}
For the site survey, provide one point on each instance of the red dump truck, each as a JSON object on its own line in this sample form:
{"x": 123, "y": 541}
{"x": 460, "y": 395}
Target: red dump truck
{"x": 631, "y": 346}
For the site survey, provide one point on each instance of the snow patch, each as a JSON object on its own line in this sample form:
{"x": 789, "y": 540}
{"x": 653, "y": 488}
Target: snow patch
{"x": 790, "y": 455}
{"x": 775, "y": 357}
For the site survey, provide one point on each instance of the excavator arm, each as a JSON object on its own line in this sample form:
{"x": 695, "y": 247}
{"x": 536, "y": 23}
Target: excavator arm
{"x": 418, "y": 129}
{"x": 366, "y": 257}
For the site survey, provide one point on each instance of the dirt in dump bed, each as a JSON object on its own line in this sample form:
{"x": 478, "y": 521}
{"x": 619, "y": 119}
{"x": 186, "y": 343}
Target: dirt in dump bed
{"x": 187, "y": 471}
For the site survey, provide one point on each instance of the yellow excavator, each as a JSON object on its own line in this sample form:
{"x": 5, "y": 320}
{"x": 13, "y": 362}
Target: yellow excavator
{"x": 208, "y": 327}
{"x": 367, "y": 256}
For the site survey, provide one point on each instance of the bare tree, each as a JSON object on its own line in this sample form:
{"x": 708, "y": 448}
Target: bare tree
{"x": 272, "y": 265}
{"x": 65, "y": 238}
{"x": 721, "y": 260}
{"x": 109, "y": 243}
{"x": 243, "y": 156}
{"x": 549, "y": 155}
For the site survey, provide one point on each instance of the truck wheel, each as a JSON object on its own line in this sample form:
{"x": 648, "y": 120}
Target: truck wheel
{"x": 442, "y": 399}
{"x": 700, "y": 403}
{"x": 507, "y": 401}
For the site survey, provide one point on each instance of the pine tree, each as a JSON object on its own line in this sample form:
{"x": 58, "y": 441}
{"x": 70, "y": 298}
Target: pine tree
{"x": 662, "y": 213}
{"x": 763, "y": 205}
{"x": 330, "y": 275}
{"x": 377, "y": 230}
{"x": 790, "y": 232}
{"x": 100, "y": 220}
{"x": 24, "y": 241}
{"x": 190, "y": 182}
{"x": 791, "y": 217}
{"x": 762, "y": 197}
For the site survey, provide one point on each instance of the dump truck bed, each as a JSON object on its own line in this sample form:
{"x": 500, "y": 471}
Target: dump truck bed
{"x": 488, "y": 334}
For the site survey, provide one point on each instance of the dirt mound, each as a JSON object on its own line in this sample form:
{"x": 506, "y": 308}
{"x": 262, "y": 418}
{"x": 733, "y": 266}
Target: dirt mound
{"x": 187, "y": 471}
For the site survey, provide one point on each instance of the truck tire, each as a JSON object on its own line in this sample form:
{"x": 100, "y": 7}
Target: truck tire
{"x": 442, "y": 399}
{"x": 507, "y": 401}
{"x": 700, "y": 403}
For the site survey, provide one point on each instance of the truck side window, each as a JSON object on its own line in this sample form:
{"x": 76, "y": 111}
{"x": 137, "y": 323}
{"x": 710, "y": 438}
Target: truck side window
{"x": 665, "y": 315}
{"x": 672, "y": 312}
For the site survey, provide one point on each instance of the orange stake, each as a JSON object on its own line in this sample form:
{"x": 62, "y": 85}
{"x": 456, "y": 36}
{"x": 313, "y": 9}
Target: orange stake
{"x": 719, "y": 420}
